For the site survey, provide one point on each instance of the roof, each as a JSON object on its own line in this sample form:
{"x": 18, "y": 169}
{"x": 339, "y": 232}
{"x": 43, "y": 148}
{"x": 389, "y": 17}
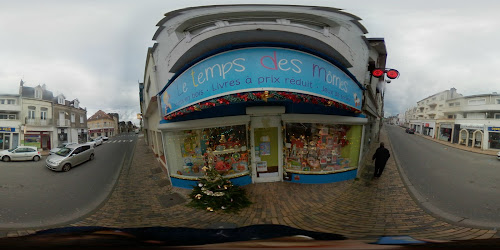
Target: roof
{"x": 100, "y": 115}
{"x": 29, "y": 92}
{"x": 473, "y": 96}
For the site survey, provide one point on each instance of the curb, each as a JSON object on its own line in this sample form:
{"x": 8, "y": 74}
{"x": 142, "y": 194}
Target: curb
{"x": 116, "y": 178}
{"x": 433, "y": 210}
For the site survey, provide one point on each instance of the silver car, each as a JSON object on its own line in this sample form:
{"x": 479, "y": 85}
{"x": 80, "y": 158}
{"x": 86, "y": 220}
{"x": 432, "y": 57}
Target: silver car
{"x": 21, "y": 153}
{"x": 70, "y": 156}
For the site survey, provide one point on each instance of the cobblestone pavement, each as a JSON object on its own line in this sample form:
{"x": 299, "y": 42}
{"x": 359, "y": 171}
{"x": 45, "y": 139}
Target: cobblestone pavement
{"x": 364, "y": 208}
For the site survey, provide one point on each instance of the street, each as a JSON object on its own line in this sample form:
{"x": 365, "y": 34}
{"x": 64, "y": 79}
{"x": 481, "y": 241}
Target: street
{"x": 33, "y": 196}
{"x": 461, "y": 183}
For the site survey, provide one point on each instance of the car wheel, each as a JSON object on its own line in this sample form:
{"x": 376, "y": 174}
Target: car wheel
{"x": 6, "y": 158}
{"x": 91, "y": 157}
{"x": 36, "y": 158}
{"x": 66, "y": 167}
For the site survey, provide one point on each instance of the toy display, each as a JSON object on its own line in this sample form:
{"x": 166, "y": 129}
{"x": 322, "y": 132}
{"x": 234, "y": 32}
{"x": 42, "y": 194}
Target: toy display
{"x": 315, "y": 147}
{"x": 223, "y": 148}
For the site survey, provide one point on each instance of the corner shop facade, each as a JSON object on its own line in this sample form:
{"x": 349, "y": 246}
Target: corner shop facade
{"x": 253, "y": 106}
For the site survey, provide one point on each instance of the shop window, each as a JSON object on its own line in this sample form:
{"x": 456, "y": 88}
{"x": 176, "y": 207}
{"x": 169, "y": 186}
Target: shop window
{"x": 321, "y": 147}
{"x": 224, "y": 148}
{"x": 81, "y": 118}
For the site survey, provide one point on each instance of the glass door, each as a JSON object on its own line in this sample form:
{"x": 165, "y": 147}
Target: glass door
{"x": 267, "y": 148}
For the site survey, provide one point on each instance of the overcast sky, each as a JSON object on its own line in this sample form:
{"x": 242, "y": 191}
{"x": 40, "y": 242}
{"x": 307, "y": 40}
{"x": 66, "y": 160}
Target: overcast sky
{"x": 96, "y": 50}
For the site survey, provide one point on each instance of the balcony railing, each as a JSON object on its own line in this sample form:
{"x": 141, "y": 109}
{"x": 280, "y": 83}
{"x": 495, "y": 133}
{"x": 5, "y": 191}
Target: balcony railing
{"x": 38, "y": 122}
{"x": 63, "y": 123}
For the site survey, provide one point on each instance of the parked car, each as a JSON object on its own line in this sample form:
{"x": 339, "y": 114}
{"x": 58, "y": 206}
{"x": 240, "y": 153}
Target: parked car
{"x": 498, "y": 155}
{"x": 21, "y": 153}
{"x": 96, "y": 141}
{"x": 410, "y": 131}
{"x": 104, "y": 138}
{"x": 63, "y": 145}
{"x": 69, "y": 157}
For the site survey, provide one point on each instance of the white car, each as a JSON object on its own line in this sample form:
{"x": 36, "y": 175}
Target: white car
{"x": 20, "y": 153}
{"x": 63, "y": 145}
{"x": 96, "y": 141}
{"x": 498, "y": 155}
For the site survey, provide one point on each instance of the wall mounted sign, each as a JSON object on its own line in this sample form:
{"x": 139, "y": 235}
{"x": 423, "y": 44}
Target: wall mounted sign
{"x": 6, "y": 129}
{"x": 258, "y": 69}
{"x": 494, "y": 129}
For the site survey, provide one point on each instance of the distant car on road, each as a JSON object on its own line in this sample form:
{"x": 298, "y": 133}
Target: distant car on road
{"x": 63, "y": 145}
{"x": 21, "y": 153}
{"x": 69, "y": 157}
{"x": 410, "y": 130}
{"x": 498, "y": 155}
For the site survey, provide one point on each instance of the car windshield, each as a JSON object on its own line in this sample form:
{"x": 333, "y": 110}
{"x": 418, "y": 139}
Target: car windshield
{"x": 63, "y": 152}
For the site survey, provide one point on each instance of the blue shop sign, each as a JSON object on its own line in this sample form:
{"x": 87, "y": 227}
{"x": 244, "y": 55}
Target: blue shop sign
{"x": 260, "y": 69}
{"x": 6, "y": 129}
{"x": 494, "y": 129}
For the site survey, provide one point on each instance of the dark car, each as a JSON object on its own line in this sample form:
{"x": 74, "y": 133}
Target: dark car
{"x": 411, "y": 131}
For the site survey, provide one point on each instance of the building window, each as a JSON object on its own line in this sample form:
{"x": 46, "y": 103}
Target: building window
{"x": 60, "y": 100}
{"x": 477, "y": 102}
{"x": 31, "y": 112}
{"x": 441, "y": 97}
{"x": 497, "y": 115}
{"x": 43, "y": 113}
{"x": 498, "y": 101}
{"x": 76, "y": 104}
{"x": 457, "y": 104}
{"x": 38, "y": 93}
{"x": 2, "y": 101}
{"x": 10, "y": 101}
{"x": 434, "y": 98}
{"x": 73, "y": 118}
{"x": 451, "y": 104}
{"x": 81, "y": 118}
{"x": 450, "y": 117}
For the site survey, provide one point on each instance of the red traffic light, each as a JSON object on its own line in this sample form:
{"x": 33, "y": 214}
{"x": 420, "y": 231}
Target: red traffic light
{"x": 378, "y": 72}
{"x": 392, "y": 74}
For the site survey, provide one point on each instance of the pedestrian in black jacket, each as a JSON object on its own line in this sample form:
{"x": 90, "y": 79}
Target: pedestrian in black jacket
{"x": 381, "y": 156}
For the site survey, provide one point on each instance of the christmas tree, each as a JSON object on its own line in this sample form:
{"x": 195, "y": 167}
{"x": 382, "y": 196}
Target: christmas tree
{"x": 215, "y": 192}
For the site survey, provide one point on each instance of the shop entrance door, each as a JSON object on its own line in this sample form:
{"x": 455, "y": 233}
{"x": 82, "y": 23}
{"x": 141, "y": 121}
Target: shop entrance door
{"x": 266, "y": 144}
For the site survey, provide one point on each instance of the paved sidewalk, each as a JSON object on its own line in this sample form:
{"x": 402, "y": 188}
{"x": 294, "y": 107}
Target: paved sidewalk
{"x": 364, "y": 209}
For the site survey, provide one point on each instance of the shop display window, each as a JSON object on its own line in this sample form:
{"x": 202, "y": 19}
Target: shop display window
{"x": 321, "y": 148}
{"x": 190, "y": 152}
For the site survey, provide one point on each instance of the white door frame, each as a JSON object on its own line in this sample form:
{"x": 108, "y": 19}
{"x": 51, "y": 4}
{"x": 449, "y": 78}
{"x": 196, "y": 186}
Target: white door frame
{"x": 264, "y": 122}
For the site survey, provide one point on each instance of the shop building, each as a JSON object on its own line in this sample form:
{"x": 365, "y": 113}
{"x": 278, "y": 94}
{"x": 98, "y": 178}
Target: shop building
{"x": 10, "y": 120}
{"x": 261, "y": 93}
{"x": 71, "y": 120}
{"x": 37, "y": 127}
{"x": 102, "y": 124}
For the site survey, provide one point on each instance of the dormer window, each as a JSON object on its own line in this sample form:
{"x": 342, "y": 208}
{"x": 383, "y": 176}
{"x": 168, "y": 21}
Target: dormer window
{"x": 38, "y": 93}
{"x": 60, "y": 99}
{"x": 76, "y": 104}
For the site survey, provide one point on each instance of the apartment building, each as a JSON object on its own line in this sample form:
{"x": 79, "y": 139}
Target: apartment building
{"x": 10, "y": 120}
{"x": 71, "y": 120}
{"x": 473, "y": 121}
{"x": 429, "y": 109}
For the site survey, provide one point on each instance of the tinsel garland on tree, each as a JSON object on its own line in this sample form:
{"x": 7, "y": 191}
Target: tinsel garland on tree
{"x": 259, "y": 96}
{"x": 215, "y": 192}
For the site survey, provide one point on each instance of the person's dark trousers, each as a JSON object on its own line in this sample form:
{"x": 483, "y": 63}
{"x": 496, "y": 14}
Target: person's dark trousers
{"x": 378, "y": 170}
